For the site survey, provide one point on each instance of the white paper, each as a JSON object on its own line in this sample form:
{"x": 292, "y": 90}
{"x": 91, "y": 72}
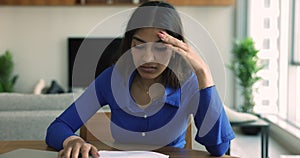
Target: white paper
{"x": 131, "y": 154}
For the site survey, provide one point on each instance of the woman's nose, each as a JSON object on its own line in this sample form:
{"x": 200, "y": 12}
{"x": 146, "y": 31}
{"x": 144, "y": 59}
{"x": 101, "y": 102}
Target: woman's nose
{"x": 148, "y": 55}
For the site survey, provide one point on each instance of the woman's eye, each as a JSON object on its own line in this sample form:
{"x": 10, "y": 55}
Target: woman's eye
{"x": 140, "y": 46}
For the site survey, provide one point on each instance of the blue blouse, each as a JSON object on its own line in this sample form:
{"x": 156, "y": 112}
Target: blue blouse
{"x": 162, "y": 123}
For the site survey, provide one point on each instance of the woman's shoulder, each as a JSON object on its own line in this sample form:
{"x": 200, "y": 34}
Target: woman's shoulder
{"x": 105, "y": 75}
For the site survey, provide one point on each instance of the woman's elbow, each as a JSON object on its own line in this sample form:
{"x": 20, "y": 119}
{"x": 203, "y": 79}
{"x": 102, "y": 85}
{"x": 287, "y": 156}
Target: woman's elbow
{"x": 49, "y": 136}
{"x": 218, "y": 150}
{"x": 53, "y": 137}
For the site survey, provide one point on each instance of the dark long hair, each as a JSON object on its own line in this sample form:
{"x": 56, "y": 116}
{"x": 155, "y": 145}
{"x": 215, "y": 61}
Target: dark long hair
{"x": 161, "y": 15}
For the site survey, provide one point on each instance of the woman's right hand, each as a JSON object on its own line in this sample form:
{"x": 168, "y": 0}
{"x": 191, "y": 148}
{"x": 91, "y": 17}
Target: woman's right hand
{"x": 75, "y": 145}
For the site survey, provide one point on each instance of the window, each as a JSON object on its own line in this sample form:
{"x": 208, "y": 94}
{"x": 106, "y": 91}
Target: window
{"x": 296, "y": 33}
{"x": 275, "y": 27}
{"x": 293, "y": 109}
{"x": 263, "y": 28}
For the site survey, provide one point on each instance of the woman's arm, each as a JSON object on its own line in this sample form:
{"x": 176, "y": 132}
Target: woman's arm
{"x": 213, "y": 128}
{"x": 200, "y": 67}
{"x": 61, "y": 133}
{"x": 63, "y": 127}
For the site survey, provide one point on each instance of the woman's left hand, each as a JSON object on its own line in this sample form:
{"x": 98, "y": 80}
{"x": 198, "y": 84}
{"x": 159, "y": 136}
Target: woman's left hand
{"x": 200, "y": 67}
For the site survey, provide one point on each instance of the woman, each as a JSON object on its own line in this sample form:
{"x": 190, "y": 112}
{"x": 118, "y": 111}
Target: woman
{"x": 158, "y": 81}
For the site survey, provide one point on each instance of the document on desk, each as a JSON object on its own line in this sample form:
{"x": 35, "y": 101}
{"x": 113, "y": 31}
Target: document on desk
{"x": 131, "y": 154}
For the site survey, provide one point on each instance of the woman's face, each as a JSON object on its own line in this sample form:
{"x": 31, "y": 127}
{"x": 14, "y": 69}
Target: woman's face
{"x": 150, "y": 56}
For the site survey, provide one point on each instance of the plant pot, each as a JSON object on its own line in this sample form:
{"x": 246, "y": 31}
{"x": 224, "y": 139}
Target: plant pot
{"x": 250, "y": 130}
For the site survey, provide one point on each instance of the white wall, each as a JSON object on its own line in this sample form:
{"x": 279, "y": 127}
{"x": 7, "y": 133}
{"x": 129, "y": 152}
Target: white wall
{"x": 37, "y": 37}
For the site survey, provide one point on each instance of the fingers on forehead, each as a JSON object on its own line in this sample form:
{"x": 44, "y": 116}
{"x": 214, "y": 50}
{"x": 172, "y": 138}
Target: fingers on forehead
{"x": 174, "y": 40}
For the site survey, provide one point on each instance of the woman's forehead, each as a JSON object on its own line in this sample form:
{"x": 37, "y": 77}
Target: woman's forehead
{"x": 147, "y": 34}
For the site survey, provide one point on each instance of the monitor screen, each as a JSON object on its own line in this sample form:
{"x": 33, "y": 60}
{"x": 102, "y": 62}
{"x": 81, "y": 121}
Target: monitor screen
{"x": 88, "y": 57}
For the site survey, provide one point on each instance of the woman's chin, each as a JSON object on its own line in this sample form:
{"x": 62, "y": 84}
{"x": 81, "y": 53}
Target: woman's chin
{"x": 148, "y": 75}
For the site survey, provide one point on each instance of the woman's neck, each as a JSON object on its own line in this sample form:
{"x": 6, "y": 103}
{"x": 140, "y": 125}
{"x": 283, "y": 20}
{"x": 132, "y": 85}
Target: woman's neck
{"x": 146, "y": 83}
{"x": 140, "y": 90}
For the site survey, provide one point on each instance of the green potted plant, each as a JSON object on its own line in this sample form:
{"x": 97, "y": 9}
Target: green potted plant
{"x": 7, "y": 80}
{"x": 245, "y": 67}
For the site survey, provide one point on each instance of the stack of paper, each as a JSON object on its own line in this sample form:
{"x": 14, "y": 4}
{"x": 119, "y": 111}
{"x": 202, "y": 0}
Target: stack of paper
{"x": 131, "y": 154}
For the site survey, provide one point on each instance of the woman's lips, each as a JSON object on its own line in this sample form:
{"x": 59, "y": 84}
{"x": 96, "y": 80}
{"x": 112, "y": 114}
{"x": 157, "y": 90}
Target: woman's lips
{"x": 149, "y": 69}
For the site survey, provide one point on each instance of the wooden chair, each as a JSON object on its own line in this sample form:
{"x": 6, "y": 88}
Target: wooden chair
{"x": 92, "y": 126}
{"x": 101, "y": 118}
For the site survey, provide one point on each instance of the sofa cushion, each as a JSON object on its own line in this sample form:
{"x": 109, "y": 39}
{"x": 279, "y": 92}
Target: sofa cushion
{"x": 23, "y": 102}
{"x": 25, "y": 125}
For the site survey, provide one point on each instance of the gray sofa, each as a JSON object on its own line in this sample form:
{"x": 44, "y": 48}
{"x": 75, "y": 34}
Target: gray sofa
{"x": 27, "y": 116}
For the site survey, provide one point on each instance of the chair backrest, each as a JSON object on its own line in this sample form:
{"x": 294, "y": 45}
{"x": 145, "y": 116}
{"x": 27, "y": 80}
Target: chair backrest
{"x": 189, "y": 134}
{"x": 99, "y": 124}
